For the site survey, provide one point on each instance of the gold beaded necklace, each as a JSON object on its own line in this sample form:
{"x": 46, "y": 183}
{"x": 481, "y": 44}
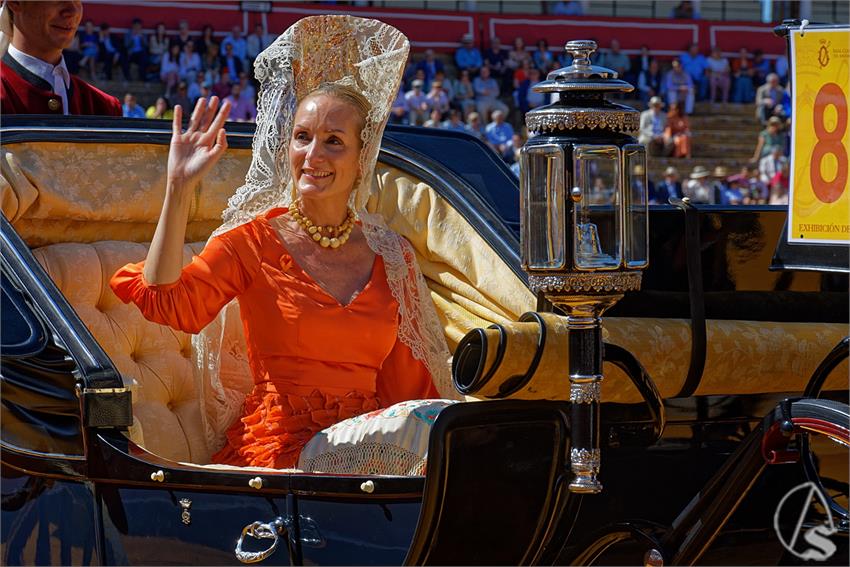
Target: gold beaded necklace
{"x": 326, "y": 236}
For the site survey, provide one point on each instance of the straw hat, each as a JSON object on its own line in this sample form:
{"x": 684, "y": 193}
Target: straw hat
{"x": 720, "y": 171}
{"x": 656, "y": 101}
{"x": 671, "y": 171}
{"x": 699, "y": 172}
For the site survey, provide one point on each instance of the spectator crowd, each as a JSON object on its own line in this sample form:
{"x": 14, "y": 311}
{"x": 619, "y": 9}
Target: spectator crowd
{"x": 485, "y": 93}
{"x": 188, "y": 65}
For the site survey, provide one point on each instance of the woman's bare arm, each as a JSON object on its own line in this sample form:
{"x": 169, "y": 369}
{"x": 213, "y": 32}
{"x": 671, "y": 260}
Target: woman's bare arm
{"x": 190, "y": 156}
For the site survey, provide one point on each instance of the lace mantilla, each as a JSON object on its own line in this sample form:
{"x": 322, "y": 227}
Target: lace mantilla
{"x": 369, "y": 56}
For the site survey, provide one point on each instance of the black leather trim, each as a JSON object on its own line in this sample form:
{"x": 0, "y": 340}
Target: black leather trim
{"x": 693, "y": 253}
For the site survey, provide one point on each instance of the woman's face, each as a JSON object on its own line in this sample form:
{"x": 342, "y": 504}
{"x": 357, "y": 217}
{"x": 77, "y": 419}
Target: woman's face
{"x": 324, "y": 151}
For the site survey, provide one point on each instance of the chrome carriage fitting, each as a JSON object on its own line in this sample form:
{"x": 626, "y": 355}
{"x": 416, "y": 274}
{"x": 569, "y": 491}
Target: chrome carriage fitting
{"x": 584, "y": 217}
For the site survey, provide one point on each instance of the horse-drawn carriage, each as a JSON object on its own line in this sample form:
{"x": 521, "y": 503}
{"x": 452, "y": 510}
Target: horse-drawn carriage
{"x": 105, "y": 436}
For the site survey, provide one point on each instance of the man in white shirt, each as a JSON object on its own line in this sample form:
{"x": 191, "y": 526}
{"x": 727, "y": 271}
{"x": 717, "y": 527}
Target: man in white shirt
{"x": 33, "y": 76}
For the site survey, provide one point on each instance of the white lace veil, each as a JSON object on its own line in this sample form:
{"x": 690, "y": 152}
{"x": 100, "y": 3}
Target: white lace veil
{"x": 369, "y": 56}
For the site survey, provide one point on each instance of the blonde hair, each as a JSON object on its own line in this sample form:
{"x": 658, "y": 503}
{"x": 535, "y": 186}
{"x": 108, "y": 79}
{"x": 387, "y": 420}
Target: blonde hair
{"x": 346, "y": 94}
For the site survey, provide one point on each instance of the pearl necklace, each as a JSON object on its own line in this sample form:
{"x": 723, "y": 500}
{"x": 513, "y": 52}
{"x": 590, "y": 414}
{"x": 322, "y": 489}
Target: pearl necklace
{"x": 326, "y": 236}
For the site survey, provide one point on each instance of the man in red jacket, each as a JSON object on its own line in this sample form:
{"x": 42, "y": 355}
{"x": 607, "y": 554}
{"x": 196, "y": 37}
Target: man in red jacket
{"x": 33, "y": 75}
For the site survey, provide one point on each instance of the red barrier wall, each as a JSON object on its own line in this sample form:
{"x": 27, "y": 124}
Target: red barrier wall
{"x": 442, "y": 30}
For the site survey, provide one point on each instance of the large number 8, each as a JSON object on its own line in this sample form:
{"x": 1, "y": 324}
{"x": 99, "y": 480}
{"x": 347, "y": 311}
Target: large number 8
{"x": 829, "y": 143}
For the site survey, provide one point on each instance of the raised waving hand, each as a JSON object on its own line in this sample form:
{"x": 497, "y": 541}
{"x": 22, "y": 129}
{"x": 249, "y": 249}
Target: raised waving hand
{"x": 194, "y": 152}
{"x": 192, "y": 155}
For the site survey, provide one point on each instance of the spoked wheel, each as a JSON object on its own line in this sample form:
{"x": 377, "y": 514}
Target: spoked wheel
{"x": 824, "y": 438}
{"x": 821, "y": 429}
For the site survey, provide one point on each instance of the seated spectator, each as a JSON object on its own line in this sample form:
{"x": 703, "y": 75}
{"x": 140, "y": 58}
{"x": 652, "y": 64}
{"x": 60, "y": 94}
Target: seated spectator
{"x": 695, "y": 64}
{"x": 639, "y": 63}
{"x": 781, "y": 69}
{"x": 616, "y": 60}
{"x": 169, "y": 70}
{"x": 670, "y": 187}
{"x": 779, "y": 185}
{"x": 240, "y": 47}
{"x": 448, "y": 85}
{"x": 699, "y": 188}
{"x": 517, "y": 56}
{"x": 130, "y": 109}
{"x": 772, "y": 135}
{"x": 496, "y": 59}
{"x": 435, "y": 119}
{"x": 761, "y": 66}
{"x": 230, "y": 60}
{"x": 468, "y": 57}
{"x": 542, "y": 57}
{"x": 499, "y": 133}
{"x": 650, "y": 82}
{"x": 158, "y": 44}
{"x": 719, "y": 75}
{"x": 720, "y": 186}
{"x": 248, "y": 90}
{"x": 190, "y": 63}
{"x": 437, "y": 98}
{"x": 221, "y": 88}
{"x": 514, "y": 147}
{"x": 685, "y": 10}
{"x": 90, "y": 48}
{"x": 679, "y": 87}
{"x": 769, "y": 98}
{"x": 242, "y": 108}
{"x": 743, "y": 86}
{"x": 194, "y": 90}
{"x": 678, "y": 132}
{"x": 487, "y": 94}
{"x": 455, "y": 121}
{"x": 475, "y": 127}
{"x": 568, "y": 8}
{"x": 207, "y": 39}
{"x": 758, "y": 190}
{"x": 464, "y": 96}
{"x": 398, "y": 110}
{"x": 135, "y": 51}
{"x": 108, "y": 54}
{"x": 533, "y": 98}
{"x": 430, "y": 65}
{"x": 160, "y": 110}
{"x": 417, "y": 103}
{"x": 182, "y": 97}
{"x": 183, "y": 35}
{"x": 522, "y": 86}
{"x": 211, "y": 62}
{"x": 256, "y": 42}
{"x": 653, "y": 124}
{"x": 771, "y": 164}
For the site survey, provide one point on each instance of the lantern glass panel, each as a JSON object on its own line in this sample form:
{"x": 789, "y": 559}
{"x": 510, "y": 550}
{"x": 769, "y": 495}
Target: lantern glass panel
{"x": 542, "y": 205}
{"x": 637, "y": 212}
{"x": 596, "y": 226}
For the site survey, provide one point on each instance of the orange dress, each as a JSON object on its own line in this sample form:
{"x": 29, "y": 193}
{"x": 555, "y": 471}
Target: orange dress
{"x": 314, "y": 362}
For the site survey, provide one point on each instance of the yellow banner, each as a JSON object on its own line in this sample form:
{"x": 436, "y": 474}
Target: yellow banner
{"x": 819, "y": 210}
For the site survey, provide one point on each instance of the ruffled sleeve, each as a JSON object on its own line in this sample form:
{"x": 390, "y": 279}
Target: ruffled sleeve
{"x": 223, "y": 270}
{"x": 402, "y": 377}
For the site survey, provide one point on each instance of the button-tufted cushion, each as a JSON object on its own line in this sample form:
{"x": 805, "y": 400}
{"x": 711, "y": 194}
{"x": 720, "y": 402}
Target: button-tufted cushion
{"x": 155, "y": 361}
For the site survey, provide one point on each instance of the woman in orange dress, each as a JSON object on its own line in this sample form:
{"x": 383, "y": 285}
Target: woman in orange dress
{"x": 678, "y": 131}
{"x": 325, "y": 299}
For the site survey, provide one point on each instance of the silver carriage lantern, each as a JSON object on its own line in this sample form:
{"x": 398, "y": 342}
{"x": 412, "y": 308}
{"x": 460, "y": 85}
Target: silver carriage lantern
{"x": 583, "y": 201}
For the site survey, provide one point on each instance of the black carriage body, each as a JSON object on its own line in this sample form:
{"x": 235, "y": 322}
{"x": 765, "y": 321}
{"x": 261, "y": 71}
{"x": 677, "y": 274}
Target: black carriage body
{"x": 75, "y": 490}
